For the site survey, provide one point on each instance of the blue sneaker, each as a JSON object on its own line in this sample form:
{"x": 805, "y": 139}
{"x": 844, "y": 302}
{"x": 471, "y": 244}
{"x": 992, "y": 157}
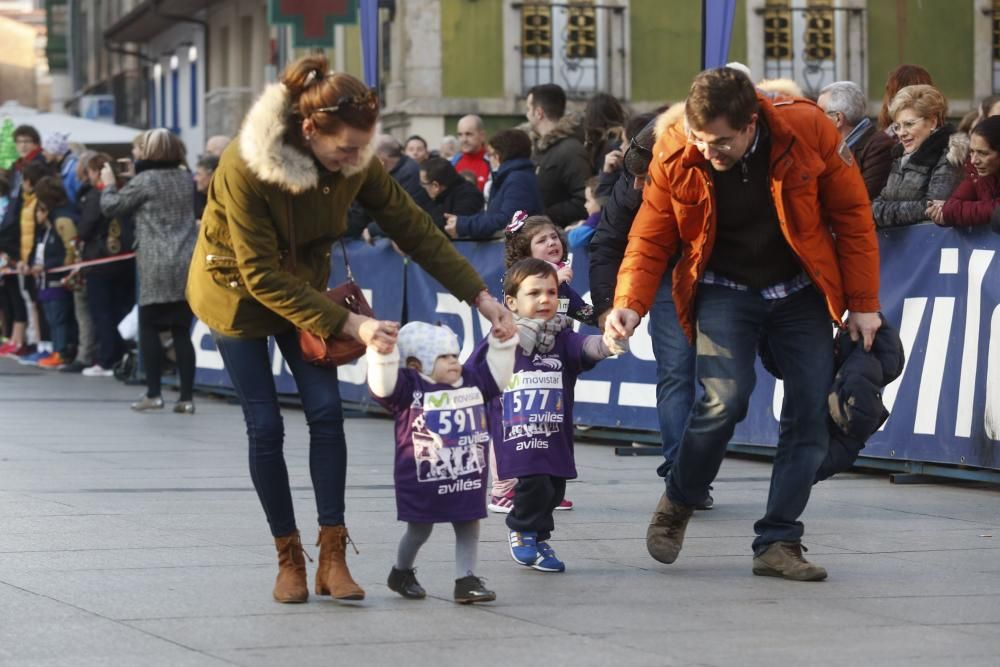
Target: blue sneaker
{"x": 547, "y": 561}
{"x": 33, "y": 358}
{"x": 523, "y": 548}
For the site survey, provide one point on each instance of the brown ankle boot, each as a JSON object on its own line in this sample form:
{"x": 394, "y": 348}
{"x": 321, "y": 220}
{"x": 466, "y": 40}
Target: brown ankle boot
{"x": 291, "y": 586}
{"x": 332, "y": 577}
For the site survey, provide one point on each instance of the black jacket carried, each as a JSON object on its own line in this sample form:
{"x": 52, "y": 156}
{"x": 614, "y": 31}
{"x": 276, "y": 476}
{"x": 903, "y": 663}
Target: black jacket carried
{"x": 855, "y": 398}
{"x": 607, "y": 245}
{"x": 563, "y": 168}
{"x": 460, "y": 198}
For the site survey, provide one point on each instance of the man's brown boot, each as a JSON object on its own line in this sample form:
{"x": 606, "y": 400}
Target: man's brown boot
{"x": 291, "y": 586}
{"x": 333, "y": 578}
{"x": 785, "y": 560}
{"x": 665, "y": 534}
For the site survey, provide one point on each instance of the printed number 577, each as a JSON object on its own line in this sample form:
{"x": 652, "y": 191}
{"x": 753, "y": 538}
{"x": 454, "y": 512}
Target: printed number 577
{"x": 528, "y": 401}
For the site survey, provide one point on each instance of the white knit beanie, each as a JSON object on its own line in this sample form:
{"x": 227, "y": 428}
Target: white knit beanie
{"x": 426, "y": 342}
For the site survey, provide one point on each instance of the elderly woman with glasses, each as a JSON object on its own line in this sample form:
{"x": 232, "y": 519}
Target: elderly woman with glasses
{"x": 278, "y": 200}
{"x": 927, "y": 161}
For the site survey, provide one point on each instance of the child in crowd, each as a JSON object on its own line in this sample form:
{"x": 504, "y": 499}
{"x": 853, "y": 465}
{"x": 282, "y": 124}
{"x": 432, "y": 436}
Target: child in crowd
{"x": 534, "y": 441}
{"x": 580, "y": 233}
{"x": 538, "y": 237}
{"x": 56, "y": 247}
{"x": 441, "y": 434}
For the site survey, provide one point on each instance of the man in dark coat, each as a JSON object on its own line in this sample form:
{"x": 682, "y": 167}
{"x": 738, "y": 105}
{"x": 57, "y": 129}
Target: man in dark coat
{"x": 844, "y": 103}
{"x": 449, "y": 192}
{"x": 405, "y": 171}
{"x": 563, "y": 165}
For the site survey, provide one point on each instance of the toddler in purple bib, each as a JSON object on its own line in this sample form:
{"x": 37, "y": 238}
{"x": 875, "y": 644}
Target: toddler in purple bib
{"x": 442, "y": 442}
{"x": 533, "y": 433}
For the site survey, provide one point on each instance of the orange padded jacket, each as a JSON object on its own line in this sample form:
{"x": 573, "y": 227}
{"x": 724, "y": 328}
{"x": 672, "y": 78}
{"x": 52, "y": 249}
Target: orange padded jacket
{"x": 820, "y": 197}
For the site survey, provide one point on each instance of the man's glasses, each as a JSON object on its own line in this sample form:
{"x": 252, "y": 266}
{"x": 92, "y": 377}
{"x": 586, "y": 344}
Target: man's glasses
{"x": 368, "y": 101}
{"x": 704, "y": 146}
{"x": 907, "y": 125}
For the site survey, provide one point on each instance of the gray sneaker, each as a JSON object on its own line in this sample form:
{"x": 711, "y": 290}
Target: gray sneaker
{"x": 665, "y": 534}
{"x": 148, "y": 403}
{"x": 785, "y": 560}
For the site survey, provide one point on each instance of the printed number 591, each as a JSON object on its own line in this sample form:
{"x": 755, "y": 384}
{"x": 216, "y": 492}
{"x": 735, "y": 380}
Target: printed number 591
{"x": 460, "y": 419}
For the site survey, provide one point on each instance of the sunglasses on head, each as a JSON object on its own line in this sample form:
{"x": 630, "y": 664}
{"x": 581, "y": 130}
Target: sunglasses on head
{"x": 369, "y": 101}
{"x": 645, "y": 154}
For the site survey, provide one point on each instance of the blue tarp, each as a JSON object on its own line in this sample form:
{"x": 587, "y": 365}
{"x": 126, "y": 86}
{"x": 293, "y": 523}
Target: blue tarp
{"x": 940, "y": 287}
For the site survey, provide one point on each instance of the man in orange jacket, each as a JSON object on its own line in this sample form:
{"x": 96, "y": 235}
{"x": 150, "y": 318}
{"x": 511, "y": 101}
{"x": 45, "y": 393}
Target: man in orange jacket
{"x": 772, "y": 220}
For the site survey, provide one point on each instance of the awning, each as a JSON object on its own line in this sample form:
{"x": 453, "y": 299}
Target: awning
{"x": 152, "y": 17}
{"x": 81, "y": 130}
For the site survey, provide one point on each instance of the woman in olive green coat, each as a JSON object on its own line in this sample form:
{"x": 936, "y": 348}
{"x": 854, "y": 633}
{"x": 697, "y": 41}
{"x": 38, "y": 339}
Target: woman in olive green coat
{"x": 303, "y": 155}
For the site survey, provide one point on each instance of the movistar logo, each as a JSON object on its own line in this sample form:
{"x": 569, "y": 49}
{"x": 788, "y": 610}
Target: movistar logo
{"x": 441, "y": 400}
{"x": 514, "y": 383}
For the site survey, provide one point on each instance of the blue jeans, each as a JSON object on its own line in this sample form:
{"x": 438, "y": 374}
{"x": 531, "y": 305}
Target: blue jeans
{"x": 59, "y": 314}
{"x": 675, "y": 380}
{"x": 249, "y": 366}
{"x": 729, "y": 324}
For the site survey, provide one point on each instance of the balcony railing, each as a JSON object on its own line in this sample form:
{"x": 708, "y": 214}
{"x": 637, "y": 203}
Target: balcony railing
{"x": 814, "y": 45}
{"x": 578, "y": 45}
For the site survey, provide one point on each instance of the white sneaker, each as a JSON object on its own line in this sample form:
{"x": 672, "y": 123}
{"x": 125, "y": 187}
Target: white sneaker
{"x": 97, "y": 371}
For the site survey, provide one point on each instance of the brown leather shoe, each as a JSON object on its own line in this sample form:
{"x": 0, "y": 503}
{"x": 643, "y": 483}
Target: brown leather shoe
{"x": 785, "y": 560}
{"x": 665, "y": 534}
{"x": 291, "y": 586}
{"x": 333, "y": 578}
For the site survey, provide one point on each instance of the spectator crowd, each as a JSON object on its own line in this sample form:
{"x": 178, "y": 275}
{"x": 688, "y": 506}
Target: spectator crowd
{"x": 62, "y": 204}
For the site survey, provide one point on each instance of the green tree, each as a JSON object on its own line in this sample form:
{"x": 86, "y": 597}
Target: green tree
{"x": 8, "y": 152}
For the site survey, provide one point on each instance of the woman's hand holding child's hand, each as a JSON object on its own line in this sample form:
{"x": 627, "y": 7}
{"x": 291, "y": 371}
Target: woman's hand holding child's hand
{"x": 379, "y": 334}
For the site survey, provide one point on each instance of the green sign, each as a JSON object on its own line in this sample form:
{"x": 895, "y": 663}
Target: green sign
{"x": 313, "y": 21}
{"x": 56, "y": 27}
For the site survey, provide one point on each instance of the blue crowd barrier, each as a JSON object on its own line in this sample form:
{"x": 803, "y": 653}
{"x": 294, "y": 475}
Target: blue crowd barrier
{"x": 940, "y": 288}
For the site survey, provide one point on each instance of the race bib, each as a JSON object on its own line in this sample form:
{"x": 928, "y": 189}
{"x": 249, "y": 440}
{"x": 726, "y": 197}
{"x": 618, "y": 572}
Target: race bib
{"x": 449, "y": 439}
{"x": 533, "y": 404}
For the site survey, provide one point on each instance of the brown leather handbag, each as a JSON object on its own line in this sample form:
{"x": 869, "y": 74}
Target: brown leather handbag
{"x": 338, "y": 349}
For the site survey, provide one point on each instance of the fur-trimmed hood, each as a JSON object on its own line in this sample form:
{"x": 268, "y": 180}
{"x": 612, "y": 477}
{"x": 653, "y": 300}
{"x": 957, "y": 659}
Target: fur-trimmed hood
{"x": 266, "y": 151}
{"x": 570, "y": 125}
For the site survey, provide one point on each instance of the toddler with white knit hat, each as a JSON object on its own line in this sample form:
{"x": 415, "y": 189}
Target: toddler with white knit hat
{"x": 442, "y": 442}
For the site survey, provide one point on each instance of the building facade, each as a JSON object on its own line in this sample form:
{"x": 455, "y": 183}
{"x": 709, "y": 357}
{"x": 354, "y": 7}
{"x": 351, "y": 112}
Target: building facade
{"x": 451, "y": 57}
{"x": 195, "y": 66}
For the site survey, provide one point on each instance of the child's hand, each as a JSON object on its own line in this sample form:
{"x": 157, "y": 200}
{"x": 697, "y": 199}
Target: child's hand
{"x": 621, "y": 322}
{"x": 565, "y": 274}
{"x": 379, "y": 334}
{"x": 617, "y": 346}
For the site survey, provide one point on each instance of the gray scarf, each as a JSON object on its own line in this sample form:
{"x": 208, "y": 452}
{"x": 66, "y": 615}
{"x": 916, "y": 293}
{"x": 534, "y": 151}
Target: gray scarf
{"x": 539, "y": 335}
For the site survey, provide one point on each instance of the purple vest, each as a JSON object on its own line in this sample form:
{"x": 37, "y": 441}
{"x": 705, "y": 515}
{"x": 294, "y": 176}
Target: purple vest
{"x": 442, "y": 443}
{"x": 532, "y": 423}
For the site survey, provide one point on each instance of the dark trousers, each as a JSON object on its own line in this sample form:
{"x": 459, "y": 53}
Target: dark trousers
{"x": 110, "y": 295}
{"x": 800, "y": 336}
{"x": 151, "y": 351}
{"x": 248, "y": 364}
{"x": 13, "y": 303}
{"x": 535, "y": 498}
{"x": 59, "y": 313}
